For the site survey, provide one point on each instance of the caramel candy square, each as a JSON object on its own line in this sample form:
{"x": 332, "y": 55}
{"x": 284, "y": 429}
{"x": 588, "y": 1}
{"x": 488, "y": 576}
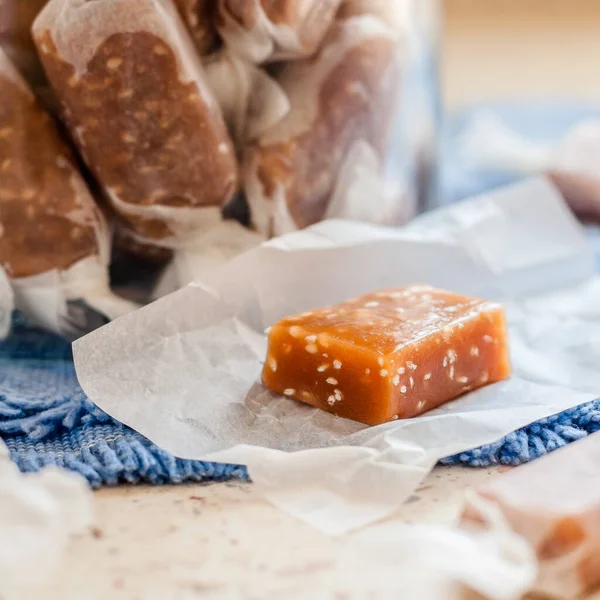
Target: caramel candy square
{"x": 390, "y": 355}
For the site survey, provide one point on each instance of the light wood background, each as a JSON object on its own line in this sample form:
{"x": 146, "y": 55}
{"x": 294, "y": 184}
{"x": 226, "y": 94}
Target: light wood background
{"x": 499, "y": 49}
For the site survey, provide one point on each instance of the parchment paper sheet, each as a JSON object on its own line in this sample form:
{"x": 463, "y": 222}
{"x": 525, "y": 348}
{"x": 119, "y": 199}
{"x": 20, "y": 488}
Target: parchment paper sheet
{"x": 185, "y": 370}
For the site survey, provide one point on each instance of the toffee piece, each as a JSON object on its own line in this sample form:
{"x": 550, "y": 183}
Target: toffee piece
{"x": 390, "y": 355}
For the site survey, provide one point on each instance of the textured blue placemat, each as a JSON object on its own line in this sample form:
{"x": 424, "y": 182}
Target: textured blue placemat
{"x": 45, "y": 419}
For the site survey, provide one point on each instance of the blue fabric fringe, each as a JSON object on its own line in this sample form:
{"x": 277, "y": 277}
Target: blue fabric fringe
{"x": 46, "y": 419}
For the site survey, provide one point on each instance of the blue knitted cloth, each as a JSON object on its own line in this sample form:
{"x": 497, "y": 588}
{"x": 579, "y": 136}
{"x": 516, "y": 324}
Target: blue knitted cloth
{"x": 45, "y": 419}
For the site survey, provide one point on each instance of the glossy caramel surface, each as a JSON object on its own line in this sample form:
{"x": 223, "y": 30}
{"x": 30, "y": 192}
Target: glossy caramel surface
{"x": 388, "y": 355}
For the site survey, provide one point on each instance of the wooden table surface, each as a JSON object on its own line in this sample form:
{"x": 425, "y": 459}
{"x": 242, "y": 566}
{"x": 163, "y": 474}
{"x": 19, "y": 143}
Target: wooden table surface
{"x": 224, "y": 541}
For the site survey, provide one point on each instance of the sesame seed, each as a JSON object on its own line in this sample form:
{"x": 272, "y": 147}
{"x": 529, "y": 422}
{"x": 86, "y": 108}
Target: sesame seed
{"x": 331, "y": 400}
{"x": 461, "y": 325}
{"x": 451, "y": 373}
{"x": 325, "y": 355}
{"x": 337, "y": 364}
{"x": 488, "y": 339}
{"x": 484, "y": 377}
{"x": 411, "y": 366}
{"x": 462, "y": 379}
{"x": 474, "y": 351}
{"x": 445, "y": 362}
{"x": 311, "y": 338}
{"x": 337, "y": 394}
{"x": 383, "y": 372}
{"x": 367, "y": 371}
{"x": 312, "y": 348}
{"x": 114, "y": 63}
{"x": 268, "y": 330}
{"x": 289, "y": 392}
{"x": 403, "y": 389}
{"x": 322, "y": 368}
{"x": 272, "y": 364}
{"x": 380, "y": 361}
{"x": 396, "y": 379}
{"x": 295, "y": 331}
{"x": 427, "y": 377}
{"x": 412, "y": 382}
{"x": 421, "y": 405}
{"x": 332, "y": 381}
{"x": 306, "y": 314}
{"x": 372, "y": 304}
{"x": 395, "y": 418}
{"x": 451, "y": 356}
{"x": 401, "y": 371}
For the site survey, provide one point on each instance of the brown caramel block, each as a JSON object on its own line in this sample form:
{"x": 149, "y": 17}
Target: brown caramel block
{"x": 138, "y": 107}
{"x": 390, "y": 355}
{"x": 199, "y": 17}
{"x": 48, "y": 219}
{"x": 344, "y": 96}
{"x": 554, "y": 503}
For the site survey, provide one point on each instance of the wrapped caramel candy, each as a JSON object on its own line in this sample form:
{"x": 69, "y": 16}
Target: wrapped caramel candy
{"x": 16, "y": 18}
{"x": 135, "y": 99}
{"x": 54, "y": 244}
{"x": 48, "y": 218}
{"x": 271, "y": 30}
{"x": 199, "y": 16}
{"x": 343, "y": 105}
{"x": 554, "y": 504}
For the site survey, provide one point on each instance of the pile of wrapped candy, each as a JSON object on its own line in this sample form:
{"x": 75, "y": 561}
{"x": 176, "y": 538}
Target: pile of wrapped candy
{"x": 138, "y": 125}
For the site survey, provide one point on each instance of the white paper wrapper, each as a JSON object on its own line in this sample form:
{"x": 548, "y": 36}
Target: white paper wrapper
{"x": 185, "y": 370}
{"x": 430, "y": 562}
{"x": 38, "y": 514}
{"x": 572, "y": 163}
{"x": 6, "y": 305}
{"x": 251, "y": 101}
{"x": 72, "y": 302}
{"x": 260, "y": 35}
{"x": 202, "y": 254}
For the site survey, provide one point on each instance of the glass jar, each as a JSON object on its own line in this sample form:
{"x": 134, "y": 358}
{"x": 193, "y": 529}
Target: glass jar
{"x": 281, "y": 114}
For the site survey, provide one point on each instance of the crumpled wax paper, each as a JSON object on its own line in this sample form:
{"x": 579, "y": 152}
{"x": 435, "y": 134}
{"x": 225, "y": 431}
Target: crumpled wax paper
{"x": 38, "y": 514}
{"x": 429, "y": 562}
{"x": 185, "y": 371}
